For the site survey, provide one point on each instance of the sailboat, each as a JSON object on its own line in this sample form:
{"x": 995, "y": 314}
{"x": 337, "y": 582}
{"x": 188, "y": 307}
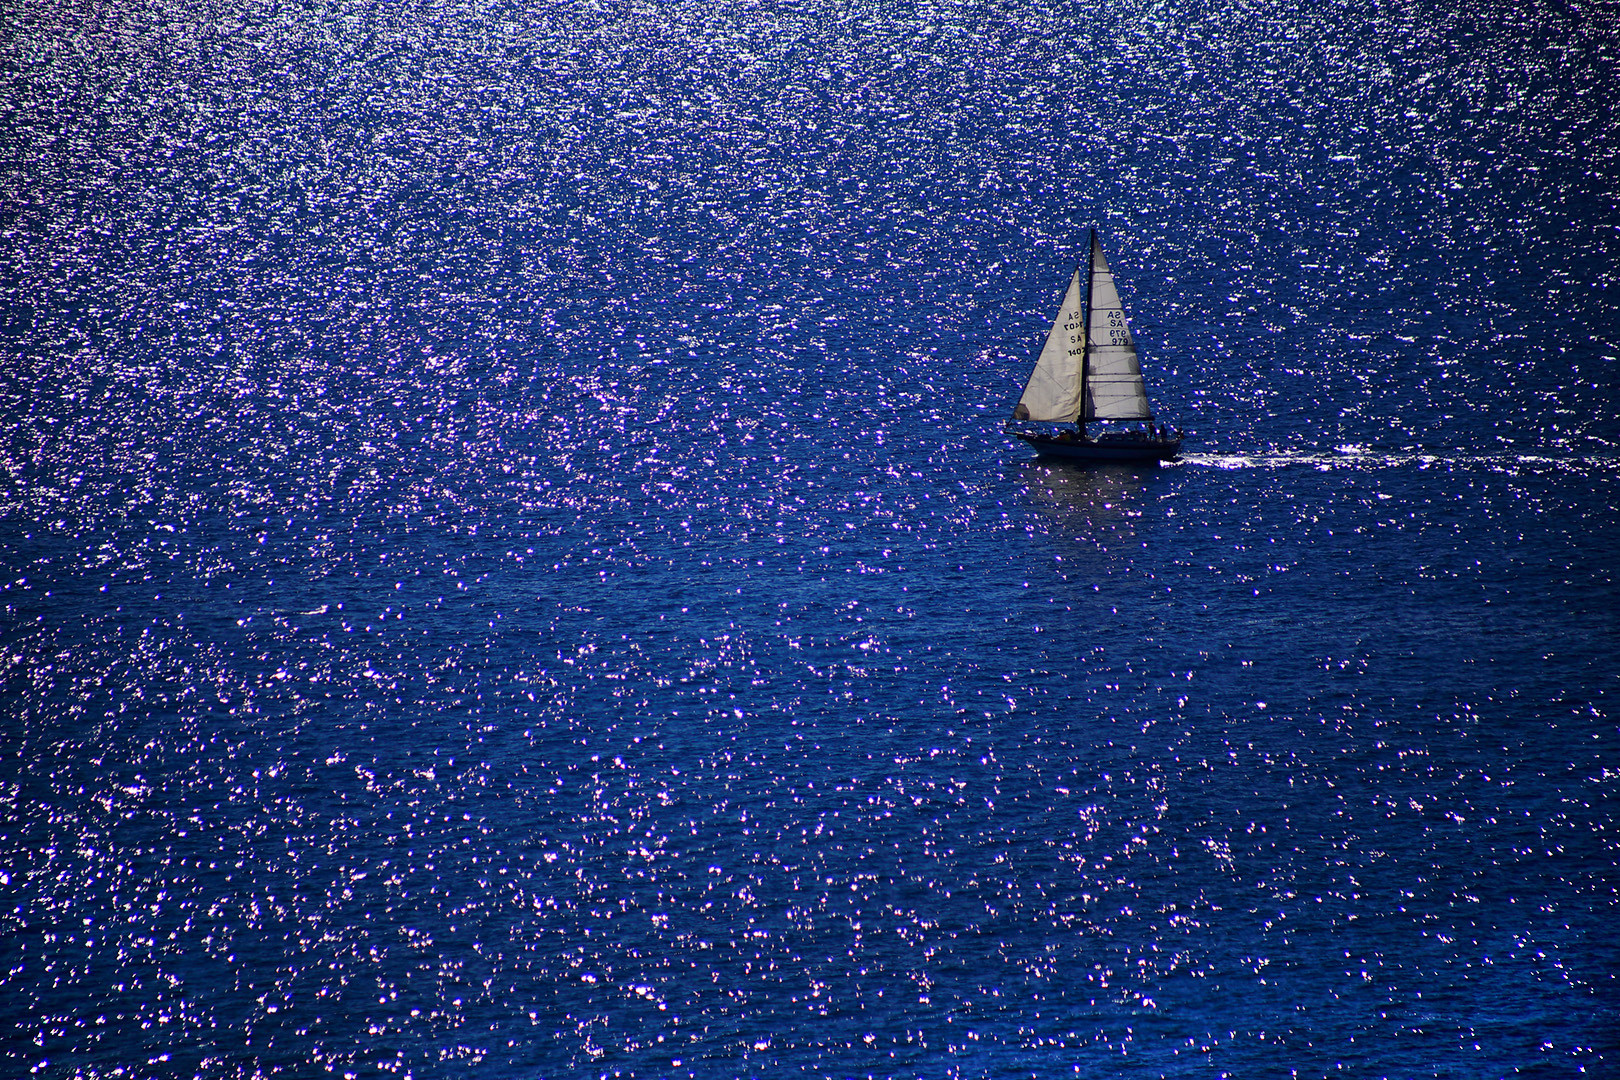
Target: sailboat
{"x": 1088, "y": 372}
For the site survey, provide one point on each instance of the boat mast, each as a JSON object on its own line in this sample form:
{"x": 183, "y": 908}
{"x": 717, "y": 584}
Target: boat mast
{"x": 1085, "y": 331}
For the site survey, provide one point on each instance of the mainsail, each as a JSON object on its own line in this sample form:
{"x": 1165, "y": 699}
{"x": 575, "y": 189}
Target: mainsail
{"x": 1113, "y": 376}
{"x": 1097, "y": 368}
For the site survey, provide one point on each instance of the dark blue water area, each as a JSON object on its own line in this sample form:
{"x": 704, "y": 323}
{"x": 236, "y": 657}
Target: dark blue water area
{"x": 512, "y": 567}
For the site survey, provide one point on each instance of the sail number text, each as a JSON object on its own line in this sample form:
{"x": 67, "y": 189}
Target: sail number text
{"x": 1118, "y": 334}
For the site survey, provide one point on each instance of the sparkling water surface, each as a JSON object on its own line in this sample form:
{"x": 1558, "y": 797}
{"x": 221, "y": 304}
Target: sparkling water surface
{"x": 512, "y": 567}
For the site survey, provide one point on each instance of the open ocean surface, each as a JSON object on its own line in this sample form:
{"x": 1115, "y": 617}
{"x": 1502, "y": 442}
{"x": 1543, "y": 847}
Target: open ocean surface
{"x": 511, "y": 567}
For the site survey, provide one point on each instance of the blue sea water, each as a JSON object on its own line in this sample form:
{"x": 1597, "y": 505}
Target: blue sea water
{"x": 512, "y": 568}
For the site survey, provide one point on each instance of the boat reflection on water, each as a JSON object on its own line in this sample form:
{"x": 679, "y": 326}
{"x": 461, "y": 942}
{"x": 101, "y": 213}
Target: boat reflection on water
{"x": 1099, "y": 500}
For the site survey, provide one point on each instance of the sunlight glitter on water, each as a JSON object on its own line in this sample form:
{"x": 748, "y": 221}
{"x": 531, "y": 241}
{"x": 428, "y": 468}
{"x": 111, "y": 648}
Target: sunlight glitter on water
{"x": 510, "y": 562}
